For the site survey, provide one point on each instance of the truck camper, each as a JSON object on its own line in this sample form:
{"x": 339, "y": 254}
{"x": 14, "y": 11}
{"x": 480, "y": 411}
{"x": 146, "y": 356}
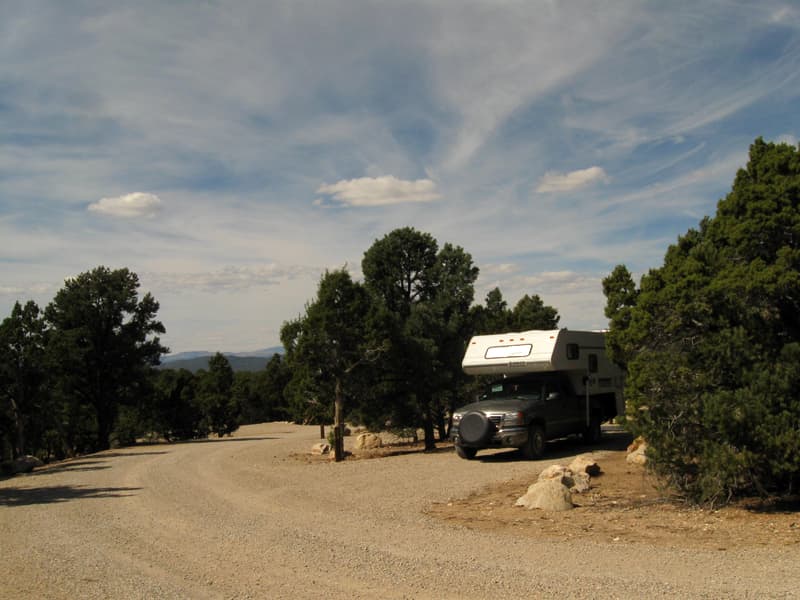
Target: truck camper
{"x": 546, "y": 385}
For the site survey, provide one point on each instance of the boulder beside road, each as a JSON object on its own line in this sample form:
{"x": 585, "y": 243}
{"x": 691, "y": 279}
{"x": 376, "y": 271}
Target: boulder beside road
{"x": 22, "y": 464}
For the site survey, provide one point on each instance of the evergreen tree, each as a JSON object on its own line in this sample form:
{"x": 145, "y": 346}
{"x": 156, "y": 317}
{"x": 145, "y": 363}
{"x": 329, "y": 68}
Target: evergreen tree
{"x": 621, "y": 295}
{"x": 102, "y": 348}
{"x": 423, "y": 295}
{"x": 325, "y": 347}
{"x": 532, "y": 313}
{"x": 23, "y": 395}
{"x": 713, "y": 339}
{"x": 220, "y": 408}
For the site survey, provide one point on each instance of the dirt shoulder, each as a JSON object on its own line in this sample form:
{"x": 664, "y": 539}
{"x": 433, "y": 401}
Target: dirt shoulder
{"x": 625, "y": 504}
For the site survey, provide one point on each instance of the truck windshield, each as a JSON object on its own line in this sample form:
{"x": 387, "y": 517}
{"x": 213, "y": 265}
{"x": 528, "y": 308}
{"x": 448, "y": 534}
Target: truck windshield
{"x": 506, "y": 389}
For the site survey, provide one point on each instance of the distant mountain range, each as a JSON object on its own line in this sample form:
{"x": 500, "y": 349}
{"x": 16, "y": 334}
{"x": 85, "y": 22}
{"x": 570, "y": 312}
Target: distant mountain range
{"x": 240, "y": 361}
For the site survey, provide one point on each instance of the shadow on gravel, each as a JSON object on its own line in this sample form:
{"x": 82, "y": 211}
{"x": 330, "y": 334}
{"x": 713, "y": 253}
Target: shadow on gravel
{"x": 113, "y": 454}
{"x": 613, "y": 439}
{"x": 787, "y": 505}
{"x": 59, "y": 493}
{"x": 226, "y": 440}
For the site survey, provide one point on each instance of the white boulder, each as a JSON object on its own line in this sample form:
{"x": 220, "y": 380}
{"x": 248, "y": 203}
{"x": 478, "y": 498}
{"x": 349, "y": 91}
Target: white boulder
{"x": 584, "y": 463}
{"x": 553, "y": 472}
{"x": 548, "y": 494}
{"x": 368, "y": 441}
{"x": 637, "y": 452}
{"x": 321, "y": 448}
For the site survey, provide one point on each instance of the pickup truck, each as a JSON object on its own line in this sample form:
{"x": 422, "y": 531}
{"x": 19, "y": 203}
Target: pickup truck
{"x": 524, "y": 412}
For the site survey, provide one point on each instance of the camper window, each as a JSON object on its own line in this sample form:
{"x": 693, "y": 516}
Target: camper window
{"x": 573, "y": 351}
{"x": 593, "y": 363}
{"x": 515, "y": 351}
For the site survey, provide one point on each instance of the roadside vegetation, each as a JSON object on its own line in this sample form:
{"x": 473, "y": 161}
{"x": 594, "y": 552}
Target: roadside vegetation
{"x": 711, "y": 341}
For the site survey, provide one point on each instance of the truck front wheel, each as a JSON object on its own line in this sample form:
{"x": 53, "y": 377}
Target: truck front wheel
{"x": 534, "y": 447}
{"x": 467, "y": 453}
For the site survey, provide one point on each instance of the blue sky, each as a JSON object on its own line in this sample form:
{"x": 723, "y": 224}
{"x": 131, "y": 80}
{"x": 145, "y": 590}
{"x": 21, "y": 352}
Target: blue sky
{"x": 230, "y": 152}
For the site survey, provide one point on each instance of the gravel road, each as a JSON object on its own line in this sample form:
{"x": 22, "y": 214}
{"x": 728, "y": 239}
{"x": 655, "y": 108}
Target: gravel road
{"x": 244, "y": 517}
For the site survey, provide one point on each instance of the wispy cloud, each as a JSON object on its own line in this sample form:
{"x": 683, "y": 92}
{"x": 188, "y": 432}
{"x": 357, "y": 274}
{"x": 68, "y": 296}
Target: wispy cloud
{"x": 574, "y": 180}
{"x": 226, "y": 279}
{"x": 380, "y": 191}
{"x": 128, "y": 206}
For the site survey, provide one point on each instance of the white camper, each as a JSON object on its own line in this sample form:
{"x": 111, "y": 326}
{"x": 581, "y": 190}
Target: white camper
{"x": 580, "y": 355}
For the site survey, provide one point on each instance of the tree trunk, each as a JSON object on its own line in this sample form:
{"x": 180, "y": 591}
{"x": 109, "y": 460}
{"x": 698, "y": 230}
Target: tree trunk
{"x": 18, "y": 448}
{"x": 105, "y": 425}
{"x": 338, "y": 423}
{"x": 441, "y": 425}
{"x": 427, "y": 424}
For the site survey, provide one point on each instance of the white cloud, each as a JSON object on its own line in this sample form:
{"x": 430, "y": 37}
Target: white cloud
{"x": 566, "y": 182}
{"x": 26, "y": 291}
{"x": 129, "y": 206}
{"x": 380, "y": 191}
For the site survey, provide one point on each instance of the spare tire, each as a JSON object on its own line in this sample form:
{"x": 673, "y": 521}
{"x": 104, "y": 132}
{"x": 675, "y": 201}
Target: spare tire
{"x": 475, "y": 428}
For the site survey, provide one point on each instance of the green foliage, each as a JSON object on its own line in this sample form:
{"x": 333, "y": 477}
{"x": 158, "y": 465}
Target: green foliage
{"x": 621, "y": 295}
{"x": 177, "y": 413}
{"x": 24, "y": 401}
{"x": 128, "y": 427}
{"x": 260, "y": 393}
{"x": 493, "y": 317}
{"x": 326, "y": 346}
{"x": 220, "y": 408}
{"x": 400, "y": 269}
{"x": 711, "y": 343}
{"x": 325, "y": 349}
{"x": 101, "y": 343}
{"x": 423, "y": 296}
{"x": 530, "y": 312}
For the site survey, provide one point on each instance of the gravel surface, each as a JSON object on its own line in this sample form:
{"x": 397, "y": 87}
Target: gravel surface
{"x": 248, "y": 517}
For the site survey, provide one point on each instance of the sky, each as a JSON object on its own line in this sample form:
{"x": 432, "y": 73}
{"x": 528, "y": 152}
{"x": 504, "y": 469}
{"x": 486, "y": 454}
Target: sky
{"x": 230, "y": 152}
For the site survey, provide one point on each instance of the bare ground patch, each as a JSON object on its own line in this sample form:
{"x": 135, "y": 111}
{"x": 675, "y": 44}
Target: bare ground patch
{"x": 624, "y": 505}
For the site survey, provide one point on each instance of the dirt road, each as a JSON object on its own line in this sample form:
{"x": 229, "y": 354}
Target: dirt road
{"x": 245, "y": 517}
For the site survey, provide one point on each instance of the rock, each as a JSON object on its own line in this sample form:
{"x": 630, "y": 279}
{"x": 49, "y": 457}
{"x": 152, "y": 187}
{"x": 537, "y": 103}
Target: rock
{"x": 368, "y": 441}
{"x": 22, "y": 464}
{"x": 553, "y": 472}
{"x": 637, "y": 452}
{"x": 576, "y": 477}
{"x": 577, "y": 483}
{"x": 548, "y": 494}
{"x": 585, "y": 464}
{"x": 321, "y": 448}
{"x": 634, "y": 445}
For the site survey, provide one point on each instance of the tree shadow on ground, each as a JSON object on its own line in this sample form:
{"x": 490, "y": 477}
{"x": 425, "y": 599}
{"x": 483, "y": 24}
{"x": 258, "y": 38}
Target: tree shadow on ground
{"x": 784, "y": 505}
{"x": 116, "y": 454}
{"x": 16, "y": 496}
{"x": 223, "y": 440}
{"x": 89, "y": 462}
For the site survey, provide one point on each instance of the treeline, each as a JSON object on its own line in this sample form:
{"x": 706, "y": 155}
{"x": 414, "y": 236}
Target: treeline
{"x": 80, "y": 376}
